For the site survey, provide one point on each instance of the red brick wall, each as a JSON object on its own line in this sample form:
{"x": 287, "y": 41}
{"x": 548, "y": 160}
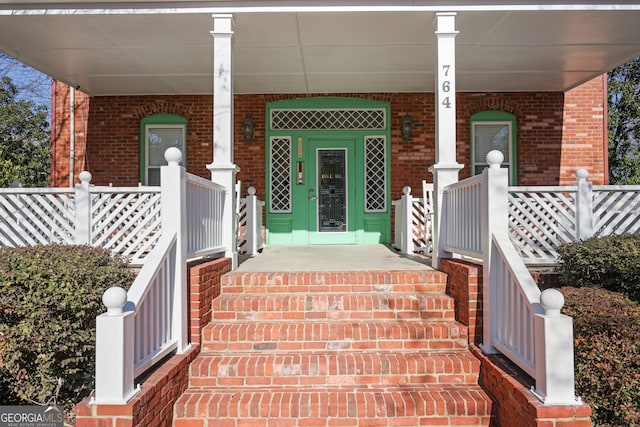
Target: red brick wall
{"x": 509, "y": 386}
{"x": 204, "y": 286}
{"x": 464, "y": 284}
{"x": 153, "y": 405}
{"x": 557, "y": 133}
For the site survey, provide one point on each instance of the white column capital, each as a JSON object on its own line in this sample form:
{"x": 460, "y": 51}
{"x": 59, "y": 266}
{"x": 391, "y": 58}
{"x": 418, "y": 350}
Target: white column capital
{"x": 222, "y": 25}
{"x": 446, "y": 24}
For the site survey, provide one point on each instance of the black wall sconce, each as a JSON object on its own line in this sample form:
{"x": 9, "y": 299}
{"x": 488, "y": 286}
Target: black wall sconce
{"x": 406, "y": 127}
{"x": 248, "y": 126}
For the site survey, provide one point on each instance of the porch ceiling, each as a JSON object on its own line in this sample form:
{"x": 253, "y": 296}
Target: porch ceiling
{"x": 156, "y": 52}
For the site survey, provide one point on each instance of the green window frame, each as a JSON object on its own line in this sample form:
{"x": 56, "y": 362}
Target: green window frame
{"x": 167, "y": 130}
{"x": 494, "y": 130}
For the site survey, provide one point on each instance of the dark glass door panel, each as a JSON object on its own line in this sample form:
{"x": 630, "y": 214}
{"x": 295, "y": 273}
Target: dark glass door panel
{"x": 332, "y": 176}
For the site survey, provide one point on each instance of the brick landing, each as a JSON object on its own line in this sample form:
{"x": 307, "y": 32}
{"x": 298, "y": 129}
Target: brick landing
{"x": 334, "y": 349}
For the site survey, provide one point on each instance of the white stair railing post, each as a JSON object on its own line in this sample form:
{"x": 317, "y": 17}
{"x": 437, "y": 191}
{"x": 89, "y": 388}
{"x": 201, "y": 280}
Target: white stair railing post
{"x": 174, "y": 220}
{"x": 83, "y": 209}
{"x": 407, "y": 221}
{"x": 115, "y": 331}
{"x": 584, "y": 206}
{"x": 554, "y": 352}
{"x": 494, "y": 214}
{"x": 252, "y": 222}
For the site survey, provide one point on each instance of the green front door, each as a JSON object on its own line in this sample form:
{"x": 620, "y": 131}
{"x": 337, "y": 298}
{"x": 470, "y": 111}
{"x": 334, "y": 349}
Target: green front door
{"x": 330, "y": 185}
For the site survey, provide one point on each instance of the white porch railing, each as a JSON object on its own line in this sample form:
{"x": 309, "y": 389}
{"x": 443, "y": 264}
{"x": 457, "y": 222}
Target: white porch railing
{"x": 540, "y": 219}
{"x": 518, "y": 320}
{"x": 124, "y": 220}
{"x": 543, "y": 218}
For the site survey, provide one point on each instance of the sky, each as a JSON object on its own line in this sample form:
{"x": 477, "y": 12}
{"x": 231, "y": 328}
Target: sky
{"x": 32, "y": 84}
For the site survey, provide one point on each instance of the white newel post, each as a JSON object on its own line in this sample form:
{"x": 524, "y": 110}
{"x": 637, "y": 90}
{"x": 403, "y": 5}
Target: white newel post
{"x": 173, "y": 192}
{"x": 554, "y": 352}
{"x": 223, "y": 170}
{"x": 445, "y": 171}
{"x": 115, "y": 332}
{"x": 252, "y": 222}
{"x": 584, "y": 206}
{"x": 407, "y": 221}
{"x": 494, "y": 214}
{"x": 83, "y": 209}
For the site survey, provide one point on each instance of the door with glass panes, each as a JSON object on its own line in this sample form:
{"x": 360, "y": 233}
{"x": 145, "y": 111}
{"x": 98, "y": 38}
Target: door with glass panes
{"x": 327, "y": 172}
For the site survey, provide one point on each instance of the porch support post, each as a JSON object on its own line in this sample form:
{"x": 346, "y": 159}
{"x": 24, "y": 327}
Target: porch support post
{"x": 223, "y": 170}
{"x": 445, "y": 171}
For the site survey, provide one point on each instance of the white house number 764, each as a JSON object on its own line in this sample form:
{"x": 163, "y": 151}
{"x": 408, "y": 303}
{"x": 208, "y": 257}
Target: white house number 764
{"x": 446, "y": 87}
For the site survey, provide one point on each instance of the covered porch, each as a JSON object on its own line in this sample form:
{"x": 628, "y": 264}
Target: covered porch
{"x": 424, "y": 56}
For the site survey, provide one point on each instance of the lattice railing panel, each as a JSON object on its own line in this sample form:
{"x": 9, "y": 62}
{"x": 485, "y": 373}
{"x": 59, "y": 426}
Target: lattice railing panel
{"x": 126, "y": 221}
{"x": 422, "y": 226}
{"x": 37, "y": 216}
{"x": 242, "y": 225}
{"x": 375, "y": 174}
{"x": 280, "y": 200}
{"x": 329, "y": 119}
{"x": 540, "y": 221}
{"x": 616, "y": 210}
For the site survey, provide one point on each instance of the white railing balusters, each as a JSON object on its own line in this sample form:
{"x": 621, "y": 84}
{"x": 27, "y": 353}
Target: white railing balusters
{"x": 204, "y": 222}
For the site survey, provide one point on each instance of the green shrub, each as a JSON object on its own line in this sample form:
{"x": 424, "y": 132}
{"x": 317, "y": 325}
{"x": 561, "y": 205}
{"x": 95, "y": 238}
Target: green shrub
{"x": 49, "y": 299}
{"x": 612, "y": 262}
{"x": 607, "y": 353}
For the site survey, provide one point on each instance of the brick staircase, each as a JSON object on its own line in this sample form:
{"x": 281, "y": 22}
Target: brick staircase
{"x": 334, "y": 349}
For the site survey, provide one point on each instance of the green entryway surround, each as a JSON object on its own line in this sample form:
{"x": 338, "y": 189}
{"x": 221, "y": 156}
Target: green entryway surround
{"x": 301, "y": 133}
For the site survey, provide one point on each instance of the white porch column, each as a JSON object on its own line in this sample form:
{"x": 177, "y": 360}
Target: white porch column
{"x": 223, "y": 170}
{"x": 445, "y": 171}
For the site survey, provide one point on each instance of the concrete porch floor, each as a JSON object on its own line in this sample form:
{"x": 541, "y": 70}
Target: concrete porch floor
{"x": 283, "y": 258}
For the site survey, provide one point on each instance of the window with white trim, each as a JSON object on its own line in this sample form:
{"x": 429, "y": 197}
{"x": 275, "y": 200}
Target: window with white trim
{"x": 158, "y": 133}
{"x": 493, "y": 130}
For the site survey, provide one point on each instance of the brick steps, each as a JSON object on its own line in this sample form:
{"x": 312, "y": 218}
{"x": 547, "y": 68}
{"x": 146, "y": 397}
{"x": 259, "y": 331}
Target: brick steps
{"x": 355, "y": 306}
{"x": 370, "y": 348}
{"x": 336, "y": 406}
{"x": 334, "y": 368}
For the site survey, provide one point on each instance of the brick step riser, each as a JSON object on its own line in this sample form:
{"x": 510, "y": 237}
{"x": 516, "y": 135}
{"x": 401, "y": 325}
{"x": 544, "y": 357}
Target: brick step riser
{"x": 333, "y": 368}
{"x": 445, "y": 405}
{"x": 441, "y": 345}
{"x": 323, "y": 306}
{"x": 391, "y": 278}
{"x": 248, "y": 288}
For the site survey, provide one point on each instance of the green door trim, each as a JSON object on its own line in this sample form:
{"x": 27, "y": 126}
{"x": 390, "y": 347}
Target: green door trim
{"x": 299, "y": 120}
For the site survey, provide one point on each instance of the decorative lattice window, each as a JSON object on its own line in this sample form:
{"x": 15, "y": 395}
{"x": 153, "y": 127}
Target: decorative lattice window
{"x": 280, "y": 174}
{"x": 375, "y": 160}
{"x": 328, "y": 119}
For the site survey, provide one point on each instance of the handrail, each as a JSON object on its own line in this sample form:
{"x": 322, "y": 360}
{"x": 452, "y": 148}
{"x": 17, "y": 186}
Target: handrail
{"x": 152, "y": 297}
{"x": 517, "y": 302}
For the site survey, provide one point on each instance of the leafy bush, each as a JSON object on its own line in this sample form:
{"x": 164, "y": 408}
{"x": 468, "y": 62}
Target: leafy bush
{"x": 612, "y": 262}
{"x": 607, "y": 353}
{"x": 49, "y": 299}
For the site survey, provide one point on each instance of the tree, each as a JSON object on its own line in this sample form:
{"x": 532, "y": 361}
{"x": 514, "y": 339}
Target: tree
{"x": 624, "y": 123}
{"x": 24, "y": 139}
